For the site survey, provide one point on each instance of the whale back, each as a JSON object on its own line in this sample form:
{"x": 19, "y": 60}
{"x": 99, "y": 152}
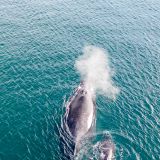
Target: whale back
{"x": 80, "y": 117}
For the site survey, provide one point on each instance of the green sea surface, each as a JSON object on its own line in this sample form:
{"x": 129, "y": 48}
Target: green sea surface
{"x": 39, "y": 44}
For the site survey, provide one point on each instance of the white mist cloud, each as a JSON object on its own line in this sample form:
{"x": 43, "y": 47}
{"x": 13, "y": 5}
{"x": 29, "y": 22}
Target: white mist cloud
{"x": 94, "y": 68}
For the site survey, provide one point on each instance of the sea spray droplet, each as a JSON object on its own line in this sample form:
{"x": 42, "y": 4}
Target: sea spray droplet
{"x": 94, "y": 68}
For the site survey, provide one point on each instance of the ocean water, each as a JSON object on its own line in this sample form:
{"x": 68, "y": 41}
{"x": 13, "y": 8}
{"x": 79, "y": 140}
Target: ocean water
{"x": 39, "y": 44}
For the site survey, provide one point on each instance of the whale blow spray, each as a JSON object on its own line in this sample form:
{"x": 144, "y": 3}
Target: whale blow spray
{"x": 96, "y": 73}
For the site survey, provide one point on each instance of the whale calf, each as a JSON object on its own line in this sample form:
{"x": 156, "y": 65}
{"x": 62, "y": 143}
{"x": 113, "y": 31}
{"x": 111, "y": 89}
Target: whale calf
{"x": 106, "y": 149}
{"x": 80, "y": 115}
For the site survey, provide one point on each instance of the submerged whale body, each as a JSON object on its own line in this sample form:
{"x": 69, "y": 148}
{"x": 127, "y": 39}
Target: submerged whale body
{"x": 80, "y": 115}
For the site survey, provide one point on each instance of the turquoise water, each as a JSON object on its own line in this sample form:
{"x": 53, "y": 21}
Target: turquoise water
{"x": 39, "y": 43}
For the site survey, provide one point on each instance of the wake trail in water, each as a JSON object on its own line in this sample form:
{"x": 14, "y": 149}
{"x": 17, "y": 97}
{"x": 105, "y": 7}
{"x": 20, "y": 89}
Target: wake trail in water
{"x": 96, "y": 73}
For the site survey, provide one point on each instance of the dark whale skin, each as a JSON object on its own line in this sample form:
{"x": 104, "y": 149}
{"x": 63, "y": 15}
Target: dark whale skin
{"x": 80, "y": 115}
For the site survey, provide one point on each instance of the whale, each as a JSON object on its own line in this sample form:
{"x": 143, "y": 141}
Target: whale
{"x": 80, "y": 113}
{"x": 106, "y": 149}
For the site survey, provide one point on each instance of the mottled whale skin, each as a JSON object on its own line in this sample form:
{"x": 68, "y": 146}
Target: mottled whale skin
{"x": 80, "y": 115}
